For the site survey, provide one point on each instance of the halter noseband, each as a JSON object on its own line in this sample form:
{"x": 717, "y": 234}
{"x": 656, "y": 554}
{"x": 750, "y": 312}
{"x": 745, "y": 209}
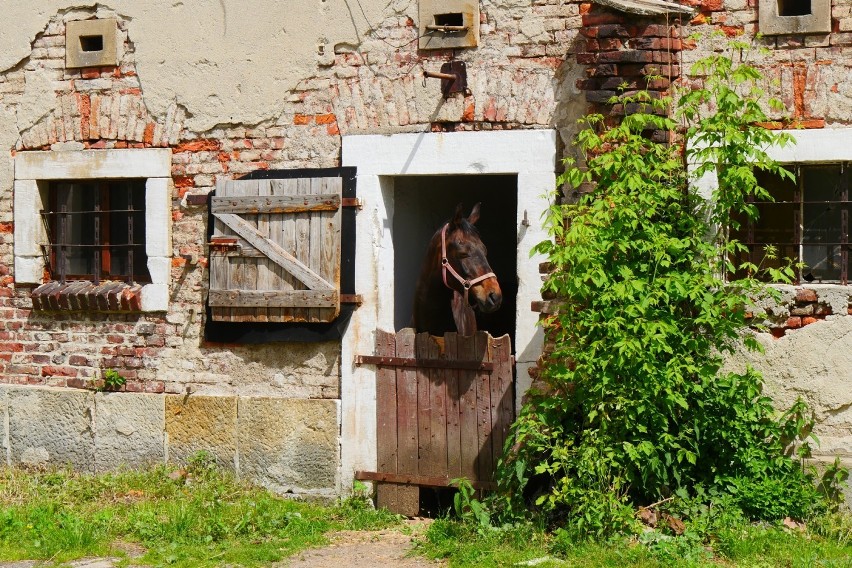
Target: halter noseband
{"x": 445, "y": 265}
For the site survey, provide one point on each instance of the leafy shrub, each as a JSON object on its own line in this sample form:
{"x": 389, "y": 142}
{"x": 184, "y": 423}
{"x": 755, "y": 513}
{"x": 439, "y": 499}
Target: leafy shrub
{"x": 637, "y": 405}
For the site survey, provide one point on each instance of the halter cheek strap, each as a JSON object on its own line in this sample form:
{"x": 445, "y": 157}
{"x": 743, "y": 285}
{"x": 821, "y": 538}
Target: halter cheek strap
{"x": 445, "y": 266}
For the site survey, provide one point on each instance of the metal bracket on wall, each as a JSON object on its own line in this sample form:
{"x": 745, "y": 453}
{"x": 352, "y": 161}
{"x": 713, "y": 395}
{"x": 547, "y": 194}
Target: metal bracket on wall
{"x": 453, "y": 78}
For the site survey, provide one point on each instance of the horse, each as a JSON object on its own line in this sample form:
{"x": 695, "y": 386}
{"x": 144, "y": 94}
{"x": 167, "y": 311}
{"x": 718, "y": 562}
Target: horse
{"x": 455, "y": 278}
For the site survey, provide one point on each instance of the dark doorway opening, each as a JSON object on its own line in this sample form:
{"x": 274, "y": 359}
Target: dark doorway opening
{"x": 423, "y": 203}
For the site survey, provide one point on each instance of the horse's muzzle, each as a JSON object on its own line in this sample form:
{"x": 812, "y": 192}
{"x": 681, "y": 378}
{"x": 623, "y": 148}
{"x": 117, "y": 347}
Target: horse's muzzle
{"x": 492, "y": 302}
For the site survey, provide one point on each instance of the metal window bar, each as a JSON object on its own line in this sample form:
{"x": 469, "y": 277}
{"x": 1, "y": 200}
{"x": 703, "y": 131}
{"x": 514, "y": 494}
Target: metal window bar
{"x": 130, "y": 219}
{"x": 57, "y": 223}
{"x": 844, "y": 224}
{"x": 96, "y": 257}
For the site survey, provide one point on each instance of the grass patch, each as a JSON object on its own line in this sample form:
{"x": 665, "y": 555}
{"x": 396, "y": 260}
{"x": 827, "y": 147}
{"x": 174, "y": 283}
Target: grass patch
{"x": 195, "y": 517}
{"x": 826, "y": 543}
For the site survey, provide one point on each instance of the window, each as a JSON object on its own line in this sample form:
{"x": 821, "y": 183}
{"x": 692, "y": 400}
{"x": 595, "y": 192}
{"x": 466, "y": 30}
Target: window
{"x": 96, "y": 230}
{"x": 115, "y": 225}
{"x": 783, "y": 17}
{"x": 808, "y": 222}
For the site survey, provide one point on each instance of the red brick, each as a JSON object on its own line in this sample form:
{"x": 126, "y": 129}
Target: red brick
{"x": 78, "y": 360}
{"x": 777, "y": 332}
{"x": 12, "y": 347}
{"x": 809, "y": 320}
{"x": 806, "y": 295}
{"x": 7, "y": 227}
{"x": 58, "y": 371}
{"x": 301, "y": 119}
{"x": 202, "y": 145}
{"x": 326, "y": 118}
{"x": 794, "y": 322}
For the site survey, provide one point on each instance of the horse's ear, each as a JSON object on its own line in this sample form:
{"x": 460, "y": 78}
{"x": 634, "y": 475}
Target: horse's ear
{"x": 474, "y": 214}
{"x": 458, "y": 215}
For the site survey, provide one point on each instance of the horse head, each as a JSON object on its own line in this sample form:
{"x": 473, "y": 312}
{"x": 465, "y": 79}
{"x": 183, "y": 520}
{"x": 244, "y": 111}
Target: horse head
{"x": 466, "y": 268}
{"x": 455, "y": 279}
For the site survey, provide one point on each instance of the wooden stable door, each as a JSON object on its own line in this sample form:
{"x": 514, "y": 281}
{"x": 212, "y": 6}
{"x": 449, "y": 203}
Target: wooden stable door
{"x": 443, "y": 410}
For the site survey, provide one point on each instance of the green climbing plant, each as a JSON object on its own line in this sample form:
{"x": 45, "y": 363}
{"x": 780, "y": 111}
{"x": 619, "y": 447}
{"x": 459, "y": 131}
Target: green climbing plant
{"x": 637, "y": 406}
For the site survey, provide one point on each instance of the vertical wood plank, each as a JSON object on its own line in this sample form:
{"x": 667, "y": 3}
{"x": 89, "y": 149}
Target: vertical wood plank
{"x": 406, "y": 396}
{"x": 243, "y": 270}
{"x": 288, "y": 242}
{"x": 219, "y": 266}
{"x": 431, "y": 412}
{"x": 467, "y": 411}
{"x": 315, "y": 221}
{"x": 387, "y": 494}
{"x": 502, "y": 394}
{"x": 330, "y": 226}
{"x": 438, "y": 402}
{"x": 483, "y": 408}
{"x": 453, "y": 409}
{"x": 265, "y": 273}
{"x": 302, "y": 242}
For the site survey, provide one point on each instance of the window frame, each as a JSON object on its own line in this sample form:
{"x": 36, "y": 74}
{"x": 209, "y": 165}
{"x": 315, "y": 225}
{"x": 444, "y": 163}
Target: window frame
{"x": 800, "y": 199}
{"x": 34, "y": 171}
{"x": 807, "y": 147}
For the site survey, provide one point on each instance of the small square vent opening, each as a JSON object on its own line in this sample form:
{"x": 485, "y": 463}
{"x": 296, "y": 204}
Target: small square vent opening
{"x": 92, "y": 43}
{"x": 455, "y": 19}
{"x": 794, "y": 7}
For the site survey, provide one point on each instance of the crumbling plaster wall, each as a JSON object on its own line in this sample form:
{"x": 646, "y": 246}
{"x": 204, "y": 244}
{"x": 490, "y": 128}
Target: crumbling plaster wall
{"x": 229, "y": 88}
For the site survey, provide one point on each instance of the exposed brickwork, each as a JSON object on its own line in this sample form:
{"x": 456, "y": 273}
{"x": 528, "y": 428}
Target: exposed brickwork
{"x": 805, "y": 309}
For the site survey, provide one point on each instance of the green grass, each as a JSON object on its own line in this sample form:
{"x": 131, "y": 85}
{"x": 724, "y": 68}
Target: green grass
{"x": 205, "y": 518}
{"x": 751, "y": 546}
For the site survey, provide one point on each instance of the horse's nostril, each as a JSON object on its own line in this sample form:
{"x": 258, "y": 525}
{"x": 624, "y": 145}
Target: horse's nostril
{"x": 495, "y": 298}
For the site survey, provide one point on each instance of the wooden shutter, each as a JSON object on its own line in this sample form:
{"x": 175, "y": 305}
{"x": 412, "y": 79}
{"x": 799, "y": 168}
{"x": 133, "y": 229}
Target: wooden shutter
{"x": 275, "y": 251}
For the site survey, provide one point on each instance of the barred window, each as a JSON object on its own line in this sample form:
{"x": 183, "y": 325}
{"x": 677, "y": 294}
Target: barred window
{"x": 96, "y": 230}
{"x": 808, "y": 223}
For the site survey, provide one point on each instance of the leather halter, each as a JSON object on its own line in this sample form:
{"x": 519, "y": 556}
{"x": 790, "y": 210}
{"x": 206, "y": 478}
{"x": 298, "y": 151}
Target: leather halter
{"x": 445, "y": 266}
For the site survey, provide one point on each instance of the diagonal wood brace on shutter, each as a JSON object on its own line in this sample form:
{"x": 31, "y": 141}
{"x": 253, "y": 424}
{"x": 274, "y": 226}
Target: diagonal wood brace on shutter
{"x": 274, "y": 252}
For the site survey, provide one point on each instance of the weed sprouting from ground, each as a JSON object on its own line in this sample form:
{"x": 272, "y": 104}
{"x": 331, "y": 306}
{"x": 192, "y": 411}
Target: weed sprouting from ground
{"x": 197, "y": 516}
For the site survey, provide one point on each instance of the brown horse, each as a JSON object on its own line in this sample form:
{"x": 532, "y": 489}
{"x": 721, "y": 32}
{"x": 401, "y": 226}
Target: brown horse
{"x": 455, "y": 279}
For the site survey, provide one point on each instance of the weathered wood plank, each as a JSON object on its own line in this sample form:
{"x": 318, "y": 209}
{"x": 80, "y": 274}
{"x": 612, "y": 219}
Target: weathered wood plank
{"x": 244, "y": 271}
{"x": 272, "y": 299}
{"x": 483, "y": 410}
{"x": 502, "y": 394}
{"x": 264, "y": 271}
{"x": 387, "y": 494}
{"x": 454, "y": 453}
{"x": 469, "y": 438}
{"x": 280, "y": 235}
{"x": 406, "y": 395}
{"x": 278, "y": 255}
{"x": 278, "y": 204}
{"x": 301, "y": 246}
{"x": 219, "y": 265}
{"x": 425, "y": 457}
{"x": 315, "y": 242}
{"x": 330, "y": 230}
{"x": 438, "y": 402}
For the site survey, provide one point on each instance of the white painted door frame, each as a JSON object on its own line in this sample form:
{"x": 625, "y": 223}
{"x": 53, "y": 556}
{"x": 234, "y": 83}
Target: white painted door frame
{"x": 529, "y": 154}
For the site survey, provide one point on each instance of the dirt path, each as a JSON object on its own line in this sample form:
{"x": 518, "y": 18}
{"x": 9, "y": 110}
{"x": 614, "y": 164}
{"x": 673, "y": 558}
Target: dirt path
{"x": 366, "y": 549}
{"x": 348, "y": 549}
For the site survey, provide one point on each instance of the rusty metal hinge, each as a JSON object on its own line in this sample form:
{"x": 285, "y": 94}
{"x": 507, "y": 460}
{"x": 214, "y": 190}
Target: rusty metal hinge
{"x": 413, "y": 363}
{"x": 351, "y": 202}
{"x": 351, "y": 299}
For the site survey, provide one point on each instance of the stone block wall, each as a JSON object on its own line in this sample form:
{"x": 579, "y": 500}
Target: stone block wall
{"x": 287, "y": 445}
